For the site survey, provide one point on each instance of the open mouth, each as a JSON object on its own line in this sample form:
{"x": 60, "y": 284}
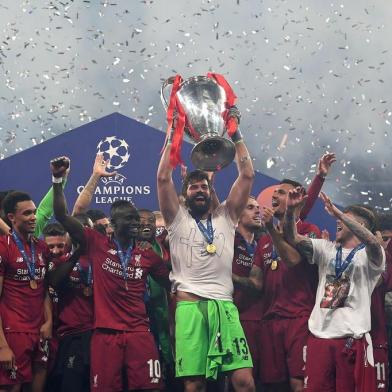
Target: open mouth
{"x": 200, "y": 198}
{"x": 338, "y": 228}
{"x": 275, "y": 203}
{"x": 146, "y": 230}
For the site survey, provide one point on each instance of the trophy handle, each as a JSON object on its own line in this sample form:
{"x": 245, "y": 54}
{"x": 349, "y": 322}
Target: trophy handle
{"x": 166, "y": 83}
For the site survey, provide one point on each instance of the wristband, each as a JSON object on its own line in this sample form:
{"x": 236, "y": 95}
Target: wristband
{"x": 322, "y": 176}
{"x": 237, "y": 137}
{"x": 57, "y": 180}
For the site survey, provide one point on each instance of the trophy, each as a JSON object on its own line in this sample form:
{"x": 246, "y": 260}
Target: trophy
{"x": 201, "y": 104}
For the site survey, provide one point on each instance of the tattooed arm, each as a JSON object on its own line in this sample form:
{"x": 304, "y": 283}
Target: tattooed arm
{"x": 373, "y": 247}
{"x": 254, "y": 282}
{"x": 304, "y": 245}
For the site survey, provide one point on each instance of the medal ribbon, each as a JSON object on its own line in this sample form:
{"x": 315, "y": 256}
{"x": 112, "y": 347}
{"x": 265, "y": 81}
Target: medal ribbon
{"x": 341, "y": 265}
{"x": 208, "y": 232}
{"x": 124, "y": 258}
{"x": 250, "y": 247}
{"x": 29, "y": 261}
{"x": 86, "y": 277}
{"x": 274, "y": 253}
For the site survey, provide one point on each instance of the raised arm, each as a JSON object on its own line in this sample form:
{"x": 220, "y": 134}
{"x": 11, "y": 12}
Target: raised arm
{"x": 373, "y": 247}
{"x": 99, "y": 170}
{"x": 58, "y": 167}
{"x": 295, "y": 200}
{"x": 239, "y": 193}
{"x": 59, "y": 274}
{"x": 287, "y": 252}
{"x": 323, "y": 167}
{"x": 167, "y": 195}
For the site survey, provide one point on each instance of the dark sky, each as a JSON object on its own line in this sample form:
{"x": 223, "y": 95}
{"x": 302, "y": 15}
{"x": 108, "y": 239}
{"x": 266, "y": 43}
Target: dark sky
{"x": 310, "y": 76}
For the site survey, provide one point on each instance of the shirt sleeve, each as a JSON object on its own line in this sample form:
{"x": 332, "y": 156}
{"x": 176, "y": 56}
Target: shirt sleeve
{"x": 312, "y": 192}
{"x": 45, "y": 211}
{"x": 319, "y": 250}
{"x": 159, "y": 269}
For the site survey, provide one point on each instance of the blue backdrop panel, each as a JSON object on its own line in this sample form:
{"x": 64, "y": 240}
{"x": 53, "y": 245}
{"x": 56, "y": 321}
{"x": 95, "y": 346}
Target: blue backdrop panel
{"x": 134, "y": 151}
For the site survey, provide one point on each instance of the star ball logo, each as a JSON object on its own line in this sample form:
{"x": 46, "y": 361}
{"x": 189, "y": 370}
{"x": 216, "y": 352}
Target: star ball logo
{"x": 117, "y": 151}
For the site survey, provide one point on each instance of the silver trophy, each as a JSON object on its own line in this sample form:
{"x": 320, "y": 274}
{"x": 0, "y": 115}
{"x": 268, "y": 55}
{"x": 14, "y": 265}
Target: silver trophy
{"x": 203, "y": 101}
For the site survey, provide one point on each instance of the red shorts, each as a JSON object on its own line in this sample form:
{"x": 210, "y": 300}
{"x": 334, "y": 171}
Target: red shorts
{"x": 380, "y": 353}
{"x": 282, "y": 347}
{"x": 338, "y": 365}
{"x": 27, "y": 349}
{"x": 252, "y": 330}
{"x": 112, "y": 351}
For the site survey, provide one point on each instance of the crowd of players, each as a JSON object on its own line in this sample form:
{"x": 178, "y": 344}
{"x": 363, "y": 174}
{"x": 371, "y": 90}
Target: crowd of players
{"x": 87, "y": 302}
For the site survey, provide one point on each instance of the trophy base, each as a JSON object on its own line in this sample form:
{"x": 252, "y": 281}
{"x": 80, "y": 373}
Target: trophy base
{"x": 213, "y": 153}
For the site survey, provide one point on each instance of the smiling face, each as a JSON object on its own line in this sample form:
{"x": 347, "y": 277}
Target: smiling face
{"x": 56, "y": 244}
{"x": 198, "y": 197}
{"x": 147, "y": 226}
{"x": 279, "y": 199}
{"x": 126, "y": 221}
{"x": 250, "y": 218}
{"x": 24, "y": 219}
{"x": 343, "y": 234}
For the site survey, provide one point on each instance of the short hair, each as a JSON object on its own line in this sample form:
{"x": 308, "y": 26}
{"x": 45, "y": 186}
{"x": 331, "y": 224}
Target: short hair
{"x": 53, "y": 230}
{"x": 12, "y": 199}
{"x": 193, "y": 176}
{"x": 83, "y": 218}
{"x": 95, "y": 215}
{"x": 3, "y": 194}
{"x": 385, "y": 222}
{"x": 371, "y": 209}
{"x": 363, "y": 213}
{"x": 294, "y": 183}
{"x": 119, "y": 204}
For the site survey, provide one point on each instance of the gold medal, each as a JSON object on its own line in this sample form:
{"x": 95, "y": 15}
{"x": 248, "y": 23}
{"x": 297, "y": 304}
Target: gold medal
{"x": 274, "y": 265}
{"x": 211, "y": 249}
{"x": 87, "y": 291}
{"x": 33, "y": 284}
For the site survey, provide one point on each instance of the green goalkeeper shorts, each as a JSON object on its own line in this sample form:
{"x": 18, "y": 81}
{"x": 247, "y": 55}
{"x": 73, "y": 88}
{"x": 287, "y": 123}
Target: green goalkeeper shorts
{"x": 209, "y": 339}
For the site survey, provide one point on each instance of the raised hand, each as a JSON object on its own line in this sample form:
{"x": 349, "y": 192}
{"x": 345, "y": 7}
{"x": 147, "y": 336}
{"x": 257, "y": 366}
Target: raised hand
{"x": 325, "y": 234}
{"x": 100, "y": 166}
{"x": 296, "y": 198}
{"x": 267, "y": 215}
{"x": 325, "y": 164}
{"x": 329, "y": 206}
{"x": 59, "y": 166}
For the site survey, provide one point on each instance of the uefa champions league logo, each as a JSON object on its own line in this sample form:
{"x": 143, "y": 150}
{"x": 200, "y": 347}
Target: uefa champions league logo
{"x": 114, "y": 149}
{"x": 116, "y": 186}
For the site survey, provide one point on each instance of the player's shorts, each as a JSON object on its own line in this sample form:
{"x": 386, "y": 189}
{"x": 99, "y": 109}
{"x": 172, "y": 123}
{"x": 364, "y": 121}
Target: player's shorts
{"x": 283, "y": 344}
{"x": 338, "y": 365}
{"x": 209, "y": 339}
{"x": 252, "y": 330}
{"x": 380, "y": 353}
{"x": 28, "y": 349}
{"x": 112, "y": 351}
{"x": 73, "y": 362}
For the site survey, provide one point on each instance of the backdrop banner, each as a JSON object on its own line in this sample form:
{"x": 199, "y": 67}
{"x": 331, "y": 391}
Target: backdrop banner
{"x": 133, "y": 149}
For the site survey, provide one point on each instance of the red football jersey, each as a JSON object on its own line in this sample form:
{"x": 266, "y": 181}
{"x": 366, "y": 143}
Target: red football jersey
{"x": 288, "y": 292}
{"x": 115, "y": 307}
{"x": 248, "y": 303}
{"x": 377, "y": 307}
{"x": 21, "y": 307}
{"x": 75, "y": 309}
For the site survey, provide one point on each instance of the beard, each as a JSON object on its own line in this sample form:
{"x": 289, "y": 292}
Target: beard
{"x": 198, "y": 209}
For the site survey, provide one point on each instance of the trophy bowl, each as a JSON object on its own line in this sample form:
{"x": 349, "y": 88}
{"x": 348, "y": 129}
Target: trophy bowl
{"x": 203, "y": 101}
